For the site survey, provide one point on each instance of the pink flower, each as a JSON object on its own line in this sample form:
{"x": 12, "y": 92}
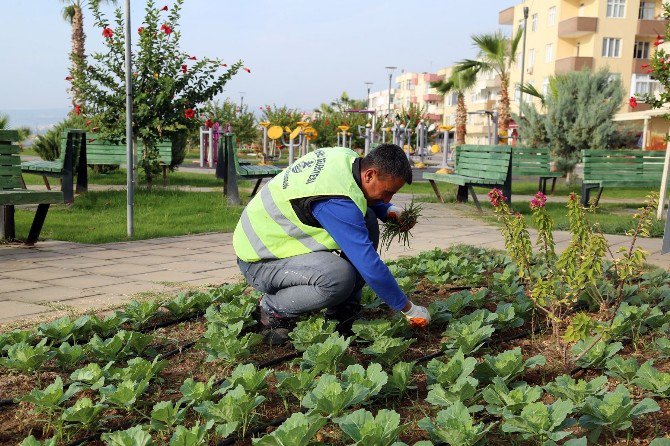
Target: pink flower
{"x": 539, "y": 201}
{"x": 496, "y": 197}
{"x": 246, "y": 69}
{"x": 107, "y": 32}
{"x": 632, "y": 102}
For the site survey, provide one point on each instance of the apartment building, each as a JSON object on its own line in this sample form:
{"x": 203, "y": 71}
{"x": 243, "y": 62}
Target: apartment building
{"x": 414, "y": 88}
{"x": 570, "y": 35}
{"x": 379, "y": 101}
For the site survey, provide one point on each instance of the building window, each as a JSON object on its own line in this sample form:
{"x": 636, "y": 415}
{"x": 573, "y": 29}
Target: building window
{"x": 646, "y": 11}
{"x": 549, "y": 53}
{"x": 616, "y": 9}
{"x": 611, "y": 47}
{"x": 645, "y": 84}
{"x": 517, "y": 93}
{"x": 641, "y": 50}
{"x": 531, "y": 58}
{"x": 545, "y": 86}
{"x": 552, "y": 15}
{"x": 533, "y": 22}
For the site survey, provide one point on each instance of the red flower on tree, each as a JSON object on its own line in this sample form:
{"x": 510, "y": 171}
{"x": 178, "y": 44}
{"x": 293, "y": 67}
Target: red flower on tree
{"x": 209, "y": 123}
{"x": 247, "y": 69}
{"x": 192, "y": 58}
{"x": 659, "y": 40}
{"x": 140, "y": 30}
{"x": 166, "y": 29}
{"x": 184, "y": 68}
{"x": 164, "y": 8}
{"x": 224, "y": 65}
{"x": 68, "y": 78}
{"x": 77, "y": 109}
{"x": 107, "y": 32}
{"x": 189, "y": 113}
{"x": 632, "y": 102}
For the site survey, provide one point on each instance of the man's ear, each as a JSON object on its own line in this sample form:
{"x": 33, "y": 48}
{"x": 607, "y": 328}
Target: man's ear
{"x": 368, "y": 174}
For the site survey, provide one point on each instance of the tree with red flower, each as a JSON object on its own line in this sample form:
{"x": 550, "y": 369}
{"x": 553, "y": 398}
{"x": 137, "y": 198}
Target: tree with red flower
{"x": 140, "y": 30}
{"x": 164, "y": 8}
{"x": 164, "y": 100}
{"x": 107, "y": 32}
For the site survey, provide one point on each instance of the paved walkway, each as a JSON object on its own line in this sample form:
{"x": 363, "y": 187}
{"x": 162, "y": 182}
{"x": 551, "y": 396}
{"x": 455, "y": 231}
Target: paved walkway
{"x": 56, "y": 278}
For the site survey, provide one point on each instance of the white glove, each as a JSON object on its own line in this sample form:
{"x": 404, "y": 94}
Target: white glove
{"x": 417, "y": 315}
{"x": 394, "y": 212}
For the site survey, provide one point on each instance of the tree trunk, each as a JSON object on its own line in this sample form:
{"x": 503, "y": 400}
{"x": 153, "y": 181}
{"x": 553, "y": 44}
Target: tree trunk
{"x": 461, "y": 120}
{"x": 503, "y": 108}
{"x": 77, "y": 55}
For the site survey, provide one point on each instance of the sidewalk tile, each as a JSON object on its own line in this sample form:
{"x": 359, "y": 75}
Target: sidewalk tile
{"x": 10, "y": 309}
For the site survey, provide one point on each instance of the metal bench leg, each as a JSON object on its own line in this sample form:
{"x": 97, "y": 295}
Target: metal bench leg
{"x": 437, "y": 191}
{"x": 258, "y": 183}
{"x": 462, "y": 194}
{"x": 8, "y": 228}
{"x": 542, "y": 185}
{"x": 553, "y": 185}
{"x": 38, "y": 222}
{"x": 600, "y": 192}
{"x": 46, "y": 182}
{"x": 586, "y": 191}
{"x": 474, "y": 198}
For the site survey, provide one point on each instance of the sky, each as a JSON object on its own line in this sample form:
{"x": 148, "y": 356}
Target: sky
{"x": 301, "y": 53}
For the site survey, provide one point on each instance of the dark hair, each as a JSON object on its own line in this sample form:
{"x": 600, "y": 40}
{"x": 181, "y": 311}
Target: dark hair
{"x": 389, "y": 159}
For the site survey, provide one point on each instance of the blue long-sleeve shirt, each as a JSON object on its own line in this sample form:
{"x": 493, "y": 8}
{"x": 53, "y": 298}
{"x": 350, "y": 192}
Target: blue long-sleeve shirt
{"x": 345, "y": 222}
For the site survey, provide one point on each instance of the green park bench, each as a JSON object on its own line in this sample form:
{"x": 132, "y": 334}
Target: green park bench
{"x": 229, "y": 169}
{"x": 71, "y": 161}
{"x": 477, "y": 166}
{"x": 620, "y": 168}
{"x": 531, "y": 162}
{"x": 104, "y": 152}
{"x": 12, "y": 192}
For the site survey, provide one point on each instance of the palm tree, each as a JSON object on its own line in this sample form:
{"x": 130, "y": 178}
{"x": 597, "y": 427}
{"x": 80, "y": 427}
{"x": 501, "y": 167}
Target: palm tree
{"x": 72, "y": 13}
{"x": 459, "y": 82}
{"x": 497, "y": 54}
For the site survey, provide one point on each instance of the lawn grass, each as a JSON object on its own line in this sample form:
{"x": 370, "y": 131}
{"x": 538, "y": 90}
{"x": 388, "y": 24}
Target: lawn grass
{"x": 520, "y": 187}
{"x": 118, "y": 178}
{"x": 100, "y": 216}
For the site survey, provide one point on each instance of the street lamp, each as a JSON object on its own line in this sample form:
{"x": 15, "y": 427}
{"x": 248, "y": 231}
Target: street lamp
{"x": 523, "y": 60}
{"x": 390, "y": 72}
{"x": 368, "y": 96}
{"x": 242, "y": 93}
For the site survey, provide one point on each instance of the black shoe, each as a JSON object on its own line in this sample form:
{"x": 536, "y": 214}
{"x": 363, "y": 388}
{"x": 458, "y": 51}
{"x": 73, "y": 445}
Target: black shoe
{"x": 345, "y": 317}
{"x": 275, "y": 328}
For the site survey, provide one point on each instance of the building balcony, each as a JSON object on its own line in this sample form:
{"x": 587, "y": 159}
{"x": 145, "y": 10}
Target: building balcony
{"x": 491, "y": 105}
{"x": 506, "y": 16}
{"x": 432, "y": 77}
{"x": 577, "y": 27}
{"x": 414, "y": 100}
{"x": 434, "y": 117}
{"x": 432, "y": 97}
{"x": 493, "y": 84}
{"x": 651, "y": 28}
{"x": 638, "y": 67}
{"x": 568, "y": 64}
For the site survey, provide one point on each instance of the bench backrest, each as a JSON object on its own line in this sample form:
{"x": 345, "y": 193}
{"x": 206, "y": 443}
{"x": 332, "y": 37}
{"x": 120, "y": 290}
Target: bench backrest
{"x": 530, "y": 161}
{"x": 10, "y": 161}
{"x": 635, "y": 166}
{"x": 100, "y": 151}
{"x": 78, "y": 141}
{"x": 489, "y": 162}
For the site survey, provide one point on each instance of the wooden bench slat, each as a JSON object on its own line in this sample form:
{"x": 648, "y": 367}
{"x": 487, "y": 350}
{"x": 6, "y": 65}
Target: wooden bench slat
{"x": 25, "y": 196}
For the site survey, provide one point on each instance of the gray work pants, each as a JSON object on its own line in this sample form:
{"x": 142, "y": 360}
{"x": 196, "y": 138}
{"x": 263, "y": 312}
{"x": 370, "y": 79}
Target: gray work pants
{"x": 309, "y": 282}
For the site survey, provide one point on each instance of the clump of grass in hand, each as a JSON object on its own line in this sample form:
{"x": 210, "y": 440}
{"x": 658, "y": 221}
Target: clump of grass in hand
{"x": 400, "y": 228}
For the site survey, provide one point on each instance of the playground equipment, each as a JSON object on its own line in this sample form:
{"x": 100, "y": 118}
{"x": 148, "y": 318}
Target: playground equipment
{"x": 272, "y": 152}
{"x": 265, "y": 125}
{"x": 446, "y": 146}
{"x": 373, "y": 116}
{"x": 208, "y": 138}
{"x": 342, "y": 136}
{"x": 385, "y": 130}
{"x": 293, "y": 135}
{"x": 365, "y": 131}
{"x": 421, "y": 139}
